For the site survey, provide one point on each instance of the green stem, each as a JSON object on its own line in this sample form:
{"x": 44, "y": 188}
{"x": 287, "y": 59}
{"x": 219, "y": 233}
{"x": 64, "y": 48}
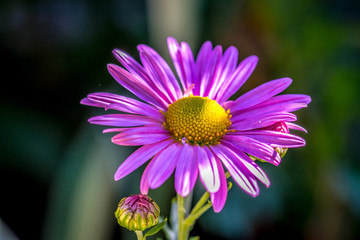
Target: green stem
{"x": 190, "y": 220}
{"x": 182, "y": 235}
{"x": 200, "y": 203}
{"x": 139, "y": 235}
{"x": 186, "y": 222}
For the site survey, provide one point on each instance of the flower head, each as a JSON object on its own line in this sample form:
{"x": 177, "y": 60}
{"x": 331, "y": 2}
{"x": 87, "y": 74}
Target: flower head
{"x": 137, "y": 212}
{"x": 190, "y": 126}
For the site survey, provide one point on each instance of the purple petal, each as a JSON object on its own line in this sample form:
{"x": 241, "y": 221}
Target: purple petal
{"x": 189, "y": 90}
{"x": 137, "y": 86}
{"x": 208, "y": 169}
{"x": 238, "y": 78}
{"x": 281, "y": 103}
{"x": 111, "y": 130}
{"x": 294, "y": 102}
{"x": 289, "y": 98}
{"x": 255, "y": 148}
{"x": 249, "y": 164}
{"x": 144, "y": 183}
{"x": 87, "y": 101}
{"x": 139, "y": 157}
{"x": 124, "y": 104}
{"x": 141, "y": 136}
{"x": 208, "y": 74}
{"x": 200, "y": 66}
{"x": 136, "y": 69}
{"x": 260, "y": 120}
{"x": 274, "y": 139}
{"x": 261, "y": 93}
{"x": 183, "y": 60}
{"x": 238, "y": 172}
{"x": 186, "y": 172}
{"x": 188, "y": 62}
{"x": 122, "y": 120}
{"x": 224, "y": 70}
{"x": 131, "y": 65}
{"x": 164, "y": 165}
{"x": 295, "y": 126}
{"x": 157, "y": 75}
{"x": 218, "y": 199}
{"x": 160, "y": 71}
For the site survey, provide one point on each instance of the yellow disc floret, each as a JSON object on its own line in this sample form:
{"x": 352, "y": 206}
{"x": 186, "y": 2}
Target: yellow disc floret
{"x": 197, "y": 120}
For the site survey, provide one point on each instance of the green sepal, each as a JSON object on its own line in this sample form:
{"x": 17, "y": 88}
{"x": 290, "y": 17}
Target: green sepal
{"x": 229, "y": 185}
{"x": 257, "y": 159}
{"x": 156, "y": 228}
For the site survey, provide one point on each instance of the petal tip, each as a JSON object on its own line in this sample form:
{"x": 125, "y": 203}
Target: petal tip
{"x": 171, "y": 39}
{"x": 92, "y": 119}
{"x": 217, "y": 209}
{"x": 253, "y": 58}
{"x": 85, "y": 101}
{"x": 111, "y": 67}
{"x": 254, "y": 194}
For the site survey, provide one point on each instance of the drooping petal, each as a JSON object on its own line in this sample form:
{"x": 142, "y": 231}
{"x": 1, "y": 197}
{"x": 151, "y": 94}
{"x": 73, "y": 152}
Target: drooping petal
{"x": 248, "y": 163}
{"x": 124, "y": 104}
{"x": 164, "y": 165}
{"x": 275, "y": 139}
{"x": 260, "y": 120}
{"x": 144, "y": 182}
{"x": 224, "y": 70}
{"x": 140, "y": 136}
{"x": 208, "y": 169}
{"x": 186, "y": 172}
{"x": 218, "y": 199}
{"x": 137, "y": 86}
{"x": 238, "y": 172}
{"x": 160, "y": 71}
{"x": 139, "y": 157}
{"x": 261, "y": 93}
{"x": 238, "y": 78}
{"x": 122, "y": 120}
{"x": 183, "y": 60}
{"x": 255, "y": 148}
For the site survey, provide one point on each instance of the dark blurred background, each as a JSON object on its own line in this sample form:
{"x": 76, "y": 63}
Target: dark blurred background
{"x": 56, "y": 170}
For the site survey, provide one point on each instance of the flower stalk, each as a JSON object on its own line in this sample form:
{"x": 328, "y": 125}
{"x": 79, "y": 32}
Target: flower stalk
{"x": 139, "y": 235}
{"x": 186, "y": 222}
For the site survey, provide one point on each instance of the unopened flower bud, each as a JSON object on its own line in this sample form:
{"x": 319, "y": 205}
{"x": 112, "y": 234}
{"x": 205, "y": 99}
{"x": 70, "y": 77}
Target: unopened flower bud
{"x": 279, "y": 127}
{"x": 137, "y": 212}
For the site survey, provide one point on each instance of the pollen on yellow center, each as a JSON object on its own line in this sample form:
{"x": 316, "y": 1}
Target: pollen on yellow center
{"x": 197, "y": 120}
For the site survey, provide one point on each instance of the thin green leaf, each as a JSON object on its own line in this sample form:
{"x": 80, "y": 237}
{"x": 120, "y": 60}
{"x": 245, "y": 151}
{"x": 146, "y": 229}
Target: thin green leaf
{"x": 155, "y": 229}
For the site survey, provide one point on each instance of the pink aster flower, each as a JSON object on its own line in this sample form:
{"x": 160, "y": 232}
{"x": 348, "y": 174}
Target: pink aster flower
{"x": 190, "y": 126}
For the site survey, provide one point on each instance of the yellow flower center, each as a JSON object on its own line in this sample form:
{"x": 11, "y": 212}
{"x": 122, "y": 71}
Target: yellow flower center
{"x": 197, "y": 120}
